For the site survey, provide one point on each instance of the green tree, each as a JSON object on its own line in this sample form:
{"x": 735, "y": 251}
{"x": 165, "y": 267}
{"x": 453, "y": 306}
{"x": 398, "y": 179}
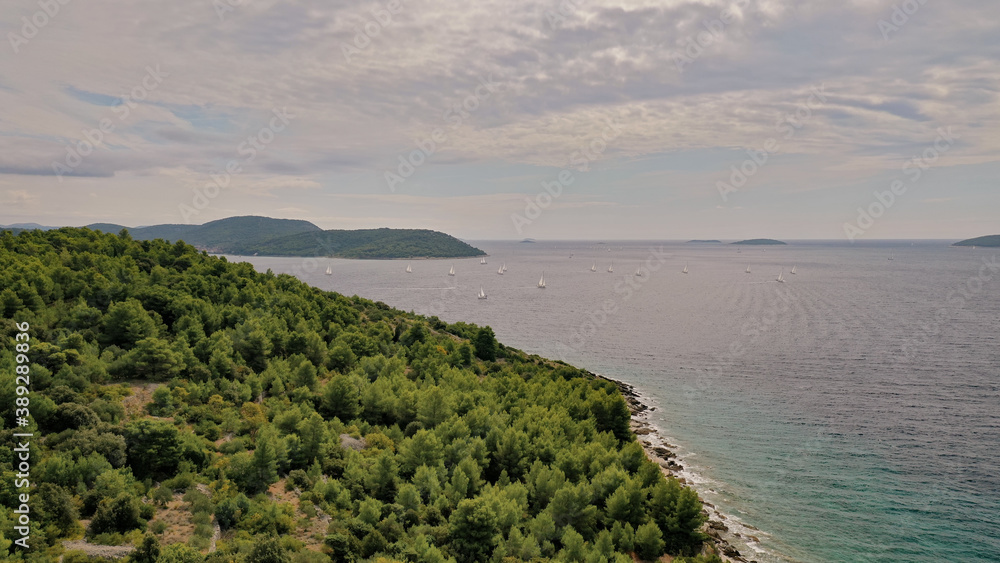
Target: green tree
{"x": 265, "y": 463}
{"x": 649, "y": 541}
{"x": 10, "y": 304}
{"x": 486, "y": 344}
{"x": 627, "y": 504}
{"x": 148, "y": 551}
{"x": 179, "y": 553}
{"x": 574, "y": 549}
{"x": 152, "y": 358}
{"x": 153, "y": 448}
{"x": 312, "y": 431}
{"x": 677, "y": 512}
{"x": 342, "y": 398}
{"x": 118, "y": 515}
{"x": 472, "y": 528}
{"x": 268, "y": 550}
{"x": 126, "y": 323}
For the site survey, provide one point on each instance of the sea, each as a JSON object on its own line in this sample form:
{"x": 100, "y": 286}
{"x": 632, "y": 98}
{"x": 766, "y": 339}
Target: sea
{"x": 849, "y": 413}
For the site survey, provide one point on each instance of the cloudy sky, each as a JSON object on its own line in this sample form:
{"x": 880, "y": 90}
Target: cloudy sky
{"x": 131, "y": 112}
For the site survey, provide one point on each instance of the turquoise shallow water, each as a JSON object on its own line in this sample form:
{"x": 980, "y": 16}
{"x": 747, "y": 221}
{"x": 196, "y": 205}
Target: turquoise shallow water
{"x": 850, "y": 414}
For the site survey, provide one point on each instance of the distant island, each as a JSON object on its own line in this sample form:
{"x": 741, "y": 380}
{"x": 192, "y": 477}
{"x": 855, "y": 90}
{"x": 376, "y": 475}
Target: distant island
{"x": 760, "y": 242}
{"x": 528, "y": 240}
{"x": 705, "y": 241}
{"x": 987, "y": 241}
{"x": 264, "y": 236}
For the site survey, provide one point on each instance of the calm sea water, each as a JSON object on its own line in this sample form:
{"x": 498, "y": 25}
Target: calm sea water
{"x": 850, "y": 414}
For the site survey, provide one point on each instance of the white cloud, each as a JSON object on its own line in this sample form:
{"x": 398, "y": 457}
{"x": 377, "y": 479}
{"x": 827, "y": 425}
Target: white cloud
{"x": 222, "y": 80}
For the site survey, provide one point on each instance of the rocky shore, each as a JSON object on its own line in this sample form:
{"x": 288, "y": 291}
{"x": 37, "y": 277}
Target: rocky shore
{"x": 664, "y": 454}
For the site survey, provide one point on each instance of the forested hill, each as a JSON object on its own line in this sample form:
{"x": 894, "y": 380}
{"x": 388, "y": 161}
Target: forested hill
{"x": 218, "y": 236}
{"x": 986, "y": 241}
{"x": 363, "y": 243}
{"x": 284, "y": 237}
{"x": 760, "y": 242}
{"x": 172, "y": 391}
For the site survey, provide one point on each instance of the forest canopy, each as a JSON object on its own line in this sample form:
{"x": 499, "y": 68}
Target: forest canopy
{"x": 175, "y": 393}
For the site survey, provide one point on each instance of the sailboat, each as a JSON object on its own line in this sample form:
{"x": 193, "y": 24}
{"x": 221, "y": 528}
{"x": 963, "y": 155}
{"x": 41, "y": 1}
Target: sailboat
{"x": 500, "y": 270}
{"x": 594, "y": 267}
{"x": 890, "y": 256}
{"x": 748, "y": 268}
{"x": 451, "y": 272}
{"x": 504, "y": 267}
{"x": 482, "y": 294}
{"x": 409, "y": 270}
{"x": 781, "y": 277}
{"x": 541, "y": 282}
{"x": 329, "y": 270}
{"x": 793, "y": 270}
{"x": 611, "y": 268}
{"x": 482, "y": 260}
{"x": 685, "y": 270}
{"x": 638, "y": 272}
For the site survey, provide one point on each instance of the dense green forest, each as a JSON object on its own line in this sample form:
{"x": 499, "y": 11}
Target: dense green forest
{"x": 246, "y": 236}
{"x": 218, "y": 236}
{"x": 362, "y": 243}
{"x": 988, "y": 241}
{"x": 173, "y": 392}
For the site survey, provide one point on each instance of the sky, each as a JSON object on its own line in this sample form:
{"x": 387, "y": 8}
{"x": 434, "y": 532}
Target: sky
{"x": 504, "y": 119}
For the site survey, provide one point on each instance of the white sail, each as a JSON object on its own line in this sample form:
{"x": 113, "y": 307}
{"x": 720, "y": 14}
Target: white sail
{"x": 611, "y": 268}
{"x": 781, "y": 277}
{"x": 541, "y": 282}
{"x": 503, "y": 267}
{"x": 500, "y": 270}
{"x": 329, "y": 270}
{"x": 748, "y": 268}
{"x": 793, "y": 270}
{"x": 409, "y": 270}
{"x": 482, "y": 294}
{"x": 638, "y": 272}
{"x": 482, "y": 260}
{"x": 594, "y": 267}
{"x": 451, "y": 272}
{"x": 685, "y": 270}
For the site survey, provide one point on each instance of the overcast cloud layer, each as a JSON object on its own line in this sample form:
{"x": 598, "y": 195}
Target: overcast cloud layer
{"x": 648, "y": 104}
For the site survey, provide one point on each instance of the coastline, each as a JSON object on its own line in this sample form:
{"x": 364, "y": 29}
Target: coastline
{"x": 721, "y": 536}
